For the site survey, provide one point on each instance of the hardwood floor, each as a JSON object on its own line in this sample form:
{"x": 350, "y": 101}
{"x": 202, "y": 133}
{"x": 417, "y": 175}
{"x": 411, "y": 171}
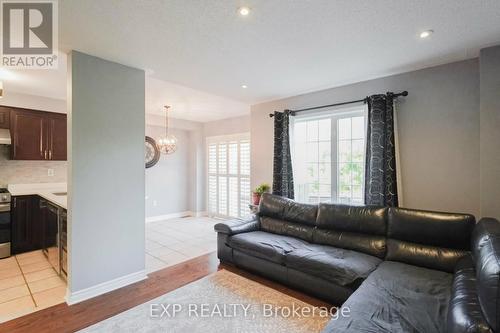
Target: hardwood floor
{"x": 64, "y": 318}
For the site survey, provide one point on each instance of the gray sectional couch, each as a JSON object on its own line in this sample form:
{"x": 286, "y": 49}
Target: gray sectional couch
{"x": 398, "y": 270}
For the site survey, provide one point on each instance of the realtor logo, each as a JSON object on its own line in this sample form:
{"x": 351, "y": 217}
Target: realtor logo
{"x": 29, "y": 34}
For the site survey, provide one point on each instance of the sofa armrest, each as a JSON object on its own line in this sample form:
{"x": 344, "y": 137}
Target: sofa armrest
{"x": 237, "y": 226}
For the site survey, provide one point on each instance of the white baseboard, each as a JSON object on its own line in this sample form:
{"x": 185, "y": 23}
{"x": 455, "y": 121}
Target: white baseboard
{"x": 102, "y": 288}
{"x": 167, "y": 216}
{"x": 199, "y": 214}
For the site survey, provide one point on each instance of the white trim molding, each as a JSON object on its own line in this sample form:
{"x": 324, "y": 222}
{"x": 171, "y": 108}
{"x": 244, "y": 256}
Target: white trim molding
{"x": 199, "y": 214}
{"x": 176, "y": 216}
{"x": 105, "y": 287}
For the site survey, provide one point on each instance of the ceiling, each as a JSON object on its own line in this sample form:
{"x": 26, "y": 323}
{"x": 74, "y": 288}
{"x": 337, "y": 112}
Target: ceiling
{"x": 190, "y": 104}
{"x": 282, "y": 48}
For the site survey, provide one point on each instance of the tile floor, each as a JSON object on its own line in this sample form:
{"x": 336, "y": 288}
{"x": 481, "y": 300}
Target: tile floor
{"x": 27, "y": 284}
{"x": 172, "y": 241}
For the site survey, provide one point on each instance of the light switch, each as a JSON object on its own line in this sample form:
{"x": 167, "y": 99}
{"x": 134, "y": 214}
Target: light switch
{"x": 50, "y": 172}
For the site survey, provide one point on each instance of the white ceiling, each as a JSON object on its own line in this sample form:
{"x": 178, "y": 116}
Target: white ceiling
{"x": 282, "y": 48}
{"x": 189, "y": 104}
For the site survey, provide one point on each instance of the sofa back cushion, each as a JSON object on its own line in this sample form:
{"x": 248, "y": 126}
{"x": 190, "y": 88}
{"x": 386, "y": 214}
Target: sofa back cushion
{"x": 359, "y": 228}
{"x": 283, "y": 216}
{"x": 429, "y": 239}
{"x": 486, "y": 256}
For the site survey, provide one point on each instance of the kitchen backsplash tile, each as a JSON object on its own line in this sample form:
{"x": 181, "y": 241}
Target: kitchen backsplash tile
{"x": 27, "y": 172}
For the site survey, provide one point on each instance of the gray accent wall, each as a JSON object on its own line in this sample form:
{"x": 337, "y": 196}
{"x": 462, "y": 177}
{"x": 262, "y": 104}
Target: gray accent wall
{"x": 490, "y": 131}
{"x": 438, "y": 133}
{"x": 167, "y": 182}
{"x": 106, "y": 174}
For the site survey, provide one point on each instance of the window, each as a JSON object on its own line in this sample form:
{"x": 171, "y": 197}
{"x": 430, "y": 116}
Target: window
{"x": 228, "y": 175}
{"x": 329, "y": 156}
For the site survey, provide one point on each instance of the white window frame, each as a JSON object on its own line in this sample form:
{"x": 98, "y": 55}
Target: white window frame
{"x": 217, "y": 140}
{"x": 334, "y": 114}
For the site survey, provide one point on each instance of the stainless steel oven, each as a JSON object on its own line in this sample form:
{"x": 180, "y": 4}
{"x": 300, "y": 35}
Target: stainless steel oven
{"x": 5, "y": 223}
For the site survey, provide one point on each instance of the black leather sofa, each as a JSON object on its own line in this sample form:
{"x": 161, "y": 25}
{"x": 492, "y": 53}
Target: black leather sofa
{"x": 398, "y": 270}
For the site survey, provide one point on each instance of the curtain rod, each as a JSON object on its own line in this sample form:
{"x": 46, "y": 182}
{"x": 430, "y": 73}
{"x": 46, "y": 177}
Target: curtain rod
{"x": 293, "y": 112}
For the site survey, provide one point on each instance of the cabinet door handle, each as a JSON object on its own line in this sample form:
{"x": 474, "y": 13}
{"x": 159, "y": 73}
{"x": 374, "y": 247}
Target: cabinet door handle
{"x": 45, "y": 154}
{"x": 50, "y": 154}
{"x": 15, "y": 202}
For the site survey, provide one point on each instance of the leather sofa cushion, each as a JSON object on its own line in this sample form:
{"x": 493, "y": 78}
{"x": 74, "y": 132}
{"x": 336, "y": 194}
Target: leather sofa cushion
{"x": 362, "y": 219}
{"x": 486, "y": 255}
{"x": 281, "y": 227}
{"x": 448, "y": 230}
{"x": 397, "y": 298}
{"x": 369, "y": 244}
{"x": 433, "y": 257}
{"x": 285, "y": 209}
{"x": 464, "y": 312}
{"x": 340, "y": 266}
{"x": 265, "y": 245}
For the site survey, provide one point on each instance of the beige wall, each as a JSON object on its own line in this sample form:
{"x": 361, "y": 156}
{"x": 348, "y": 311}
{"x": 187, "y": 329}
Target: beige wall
{"x": 438, "y": 126}
{"x": 490, "y": 131}
{"x": 227, "y": 126}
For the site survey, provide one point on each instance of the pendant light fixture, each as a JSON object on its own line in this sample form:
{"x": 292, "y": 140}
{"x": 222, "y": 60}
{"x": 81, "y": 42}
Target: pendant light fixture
{"x": 168, "y": 143}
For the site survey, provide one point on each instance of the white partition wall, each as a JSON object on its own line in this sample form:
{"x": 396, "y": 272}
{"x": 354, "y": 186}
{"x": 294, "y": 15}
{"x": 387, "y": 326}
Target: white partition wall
{"x": 106, "y": 124}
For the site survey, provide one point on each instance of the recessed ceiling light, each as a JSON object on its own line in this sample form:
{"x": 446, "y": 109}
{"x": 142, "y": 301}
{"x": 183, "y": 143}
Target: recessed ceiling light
{"x": 426, "y": 33}
{"x": 244, "y": 11}
{"x": 244, "y": 86}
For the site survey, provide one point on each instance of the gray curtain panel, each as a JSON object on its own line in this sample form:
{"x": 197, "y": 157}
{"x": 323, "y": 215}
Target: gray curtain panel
{"x": 380, "y": 177}
{"x": 282, "y": 164}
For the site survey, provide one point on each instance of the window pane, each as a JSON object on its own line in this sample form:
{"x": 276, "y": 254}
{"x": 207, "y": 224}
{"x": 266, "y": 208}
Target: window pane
{"x": 212, "y": 194}
{"x": 233, "y": 157}
{"x": 325, "y": 194}
{"x": 357, "y": 173}
{"x": 244, "y": 196}
{"x": 344, "y": 194}
{"x": 344, "y": 128}
{"x": 212, "y": 158}
{"x": 299, "y": 131}
{"x": 299, "y": 153}
{"x": 324, "y": 129}
{"x": 357, "y": 193}
{"x": 245, "y": 157}
{"x": 311, "y": 172}
{"x": 358, "y": 150}
{"x": 223, "y": 195}
{"x": 344, "y": 151}
{"x": 233, "y": 197}
{"x": 358, "y": 127}
{"x": 312, "y": 130}
{"x": 324, "y": 149}
{"x": 312, "y": 152}
{"x": 325, "y": 173}
{"x": 222, "y": 158}
{"x": 344, "y": 174}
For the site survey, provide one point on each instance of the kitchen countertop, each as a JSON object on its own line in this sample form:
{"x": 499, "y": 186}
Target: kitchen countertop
{"x": 44, "y": 190}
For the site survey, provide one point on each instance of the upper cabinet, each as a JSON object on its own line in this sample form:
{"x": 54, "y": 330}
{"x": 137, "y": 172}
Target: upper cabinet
{"x": 38, "y": 135}
{"x": 4, "y": 117}
{"x": 57, "y": 137}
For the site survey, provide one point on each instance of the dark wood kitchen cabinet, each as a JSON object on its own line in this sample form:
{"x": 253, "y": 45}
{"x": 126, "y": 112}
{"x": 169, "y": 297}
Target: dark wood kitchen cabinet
{"x": 4, "y": 117}
{"x": 57, "y": 139}
{"x": 28, "y": 224}
{"x": 38, "y": 135}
